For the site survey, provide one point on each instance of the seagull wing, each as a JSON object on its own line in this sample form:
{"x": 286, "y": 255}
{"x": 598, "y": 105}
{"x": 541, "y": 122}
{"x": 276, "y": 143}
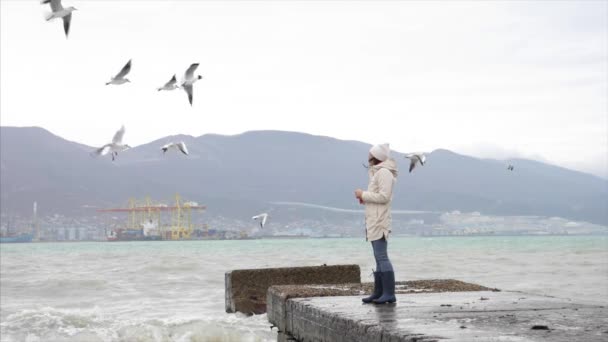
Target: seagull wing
{"x": 171, "y": 82}
{"x": 412, "y": 164}
{"x": 66, "y": 24}
{"x": 188, "y": 89}
{"x": 166, "y": 147}
{"x": 56, "y": 5}
{"x": 190, "y": 72}
{"x": 182, "y": 147}
{"x": 422, "y": 159}
{"x": 118, "y": 136}
{"x": 102, "y": 151}
{"x": 125, "y": 70}
{"x": 264, "y": 218}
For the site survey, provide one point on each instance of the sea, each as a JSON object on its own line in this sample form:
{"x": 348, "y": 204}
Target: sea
{"x": 174, "y": 290}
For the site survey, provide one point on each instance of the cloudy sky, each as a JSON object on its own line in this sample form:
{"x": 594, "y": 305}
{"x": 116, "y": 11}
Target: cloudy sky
{"x": 486, "y": 78}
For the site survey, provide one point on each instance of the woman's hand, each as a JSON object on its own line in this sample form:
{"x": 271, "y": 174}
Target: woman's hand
{"x": 358, "y": 195}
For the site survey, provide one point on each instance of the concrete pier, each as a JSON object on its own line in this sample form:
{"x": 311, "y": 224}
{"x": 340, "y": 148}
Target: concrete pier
{"x": 421, "y": 316}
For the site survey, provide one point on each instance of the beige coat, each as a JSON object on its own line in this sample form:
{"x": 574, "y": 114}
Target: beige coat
{"x": 378, "y": 199}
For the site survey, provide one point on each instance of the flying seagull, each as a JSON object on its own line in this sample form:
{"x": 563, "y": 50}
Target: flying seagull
{"x": 59, "y": 12}
{"x": 415, "y": 158}
{"x": 262, "y": 217}
{"x": 120, "y": 77}
{"x": 114, "y": 147}
{"x": 179, "y": 145}
{"x": 189, "y": 80}
{"x": 510, "y": 167}
{"x": 172, "y": 84}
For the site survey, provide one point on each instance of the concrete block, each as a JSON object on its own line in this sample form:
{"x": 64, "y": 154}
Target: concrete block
{"x": 246, "y": 290}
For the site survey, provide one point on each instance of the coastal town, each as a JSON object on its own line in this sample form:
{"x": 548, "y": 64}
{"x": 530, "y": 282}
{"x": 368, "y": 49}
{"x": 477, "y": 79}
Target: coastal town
{"x": 105, "y": 226}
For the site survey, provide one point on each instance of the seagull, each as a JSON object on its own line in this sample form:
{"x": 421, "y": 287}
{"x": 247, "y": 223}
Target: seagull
{"x": 263, "y": 217}
{"x": 115, "y": 146}
{"x": 415, "y": 158}
{"x": 59, "y": 12}
{"x": 189, "y": 80}
{"x": 179, "y": 145}
{"x": 120, "y": 77}
{"x": 172, "y": 84}
{"x": 510, "y": 167}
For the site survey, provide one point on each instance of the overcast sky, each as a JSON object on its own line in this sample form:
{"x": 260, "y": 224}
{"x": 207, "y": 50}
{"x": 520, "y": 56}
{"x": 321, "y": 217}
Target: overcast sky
{"x": 486, "y": 78}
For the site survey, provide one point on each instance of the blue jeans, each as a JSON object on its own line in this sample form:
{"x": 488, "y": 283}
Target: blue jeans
{"x": 383, "y": 264}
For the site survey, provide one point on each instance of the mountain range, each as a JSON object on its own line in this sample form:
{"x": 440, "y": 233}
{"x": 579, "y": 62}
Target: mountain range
{"x": 243, "y": 174}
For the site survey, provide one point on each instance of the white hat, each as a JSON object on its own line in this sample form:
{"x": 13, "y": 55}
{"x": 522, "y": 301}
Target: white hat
{"x": 380, "y": 152}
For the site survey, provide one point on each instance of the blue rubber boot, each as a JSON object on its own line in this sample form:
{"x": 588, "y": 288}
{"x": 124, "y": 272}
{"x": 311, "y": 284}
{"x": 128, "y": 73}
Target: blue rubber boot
{"x": 377, "y": 289}
{"x": 388, "y": 289}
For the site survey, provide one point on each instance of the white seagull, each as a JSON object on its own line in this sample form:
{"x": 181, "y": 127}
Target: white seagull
{"x": 178, "y": 145}
{"x": 115, "y": 146}
{"x": 172, "y": 84}
{"x": 120, "y": 77}
{"x": 189, "y": 80}
{"x": 262, "y": 217}
{"x": 415, "y": 158}
{"x": 59, "y": 12}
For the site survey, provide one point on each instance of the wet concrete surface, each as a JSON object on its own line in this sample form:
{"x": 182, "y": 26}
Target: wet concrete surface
{"x": 447, "y": 316}
{"x": 352, "y": 289}
{"x": 277, "y": 295}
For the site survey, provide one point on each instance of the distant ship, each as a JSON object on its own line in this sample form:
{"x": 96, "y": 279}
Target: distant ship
{"x": 131, "y": 235}
{"x": 25, "y": 237}
{"x": 12, "y": 237}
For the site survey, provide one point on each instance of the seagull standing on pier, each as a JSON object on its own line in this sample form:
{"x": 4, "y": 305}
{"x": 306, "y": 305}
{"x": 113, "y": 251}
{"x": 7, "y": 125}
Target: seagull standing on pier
{"x": 57, "y": 11}
{"x": 415, "y": 158}
{"x": 120, "y": 77}
{"x": 189, "y": 80}
{"x": 114, "y": 147}
{"x": 172, "y": 84}
{"x": 179, "y": 145}
{"x": 262, "y": 218}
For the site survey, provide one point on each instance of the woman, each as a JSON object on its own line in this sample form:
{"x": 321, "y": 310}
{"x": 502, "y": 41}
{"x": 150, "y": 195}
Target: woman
{"x": 377, "y": 200}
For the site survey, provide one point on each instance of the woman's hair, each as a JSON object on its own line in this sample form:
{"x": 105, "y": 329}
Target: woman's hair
{"x": 373, "y": 161}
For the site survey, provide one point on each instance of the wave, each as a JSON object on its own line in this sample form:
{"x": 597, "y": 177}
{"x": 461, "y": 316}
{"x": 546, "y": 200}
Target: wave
{"x": 53, "y": 324}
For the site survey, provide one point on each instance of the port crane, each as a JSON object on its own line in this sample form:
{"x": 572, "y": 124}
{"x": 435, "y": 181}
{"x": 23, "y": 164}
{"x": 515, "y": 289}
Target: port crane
{"x": 147, "y": 214}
